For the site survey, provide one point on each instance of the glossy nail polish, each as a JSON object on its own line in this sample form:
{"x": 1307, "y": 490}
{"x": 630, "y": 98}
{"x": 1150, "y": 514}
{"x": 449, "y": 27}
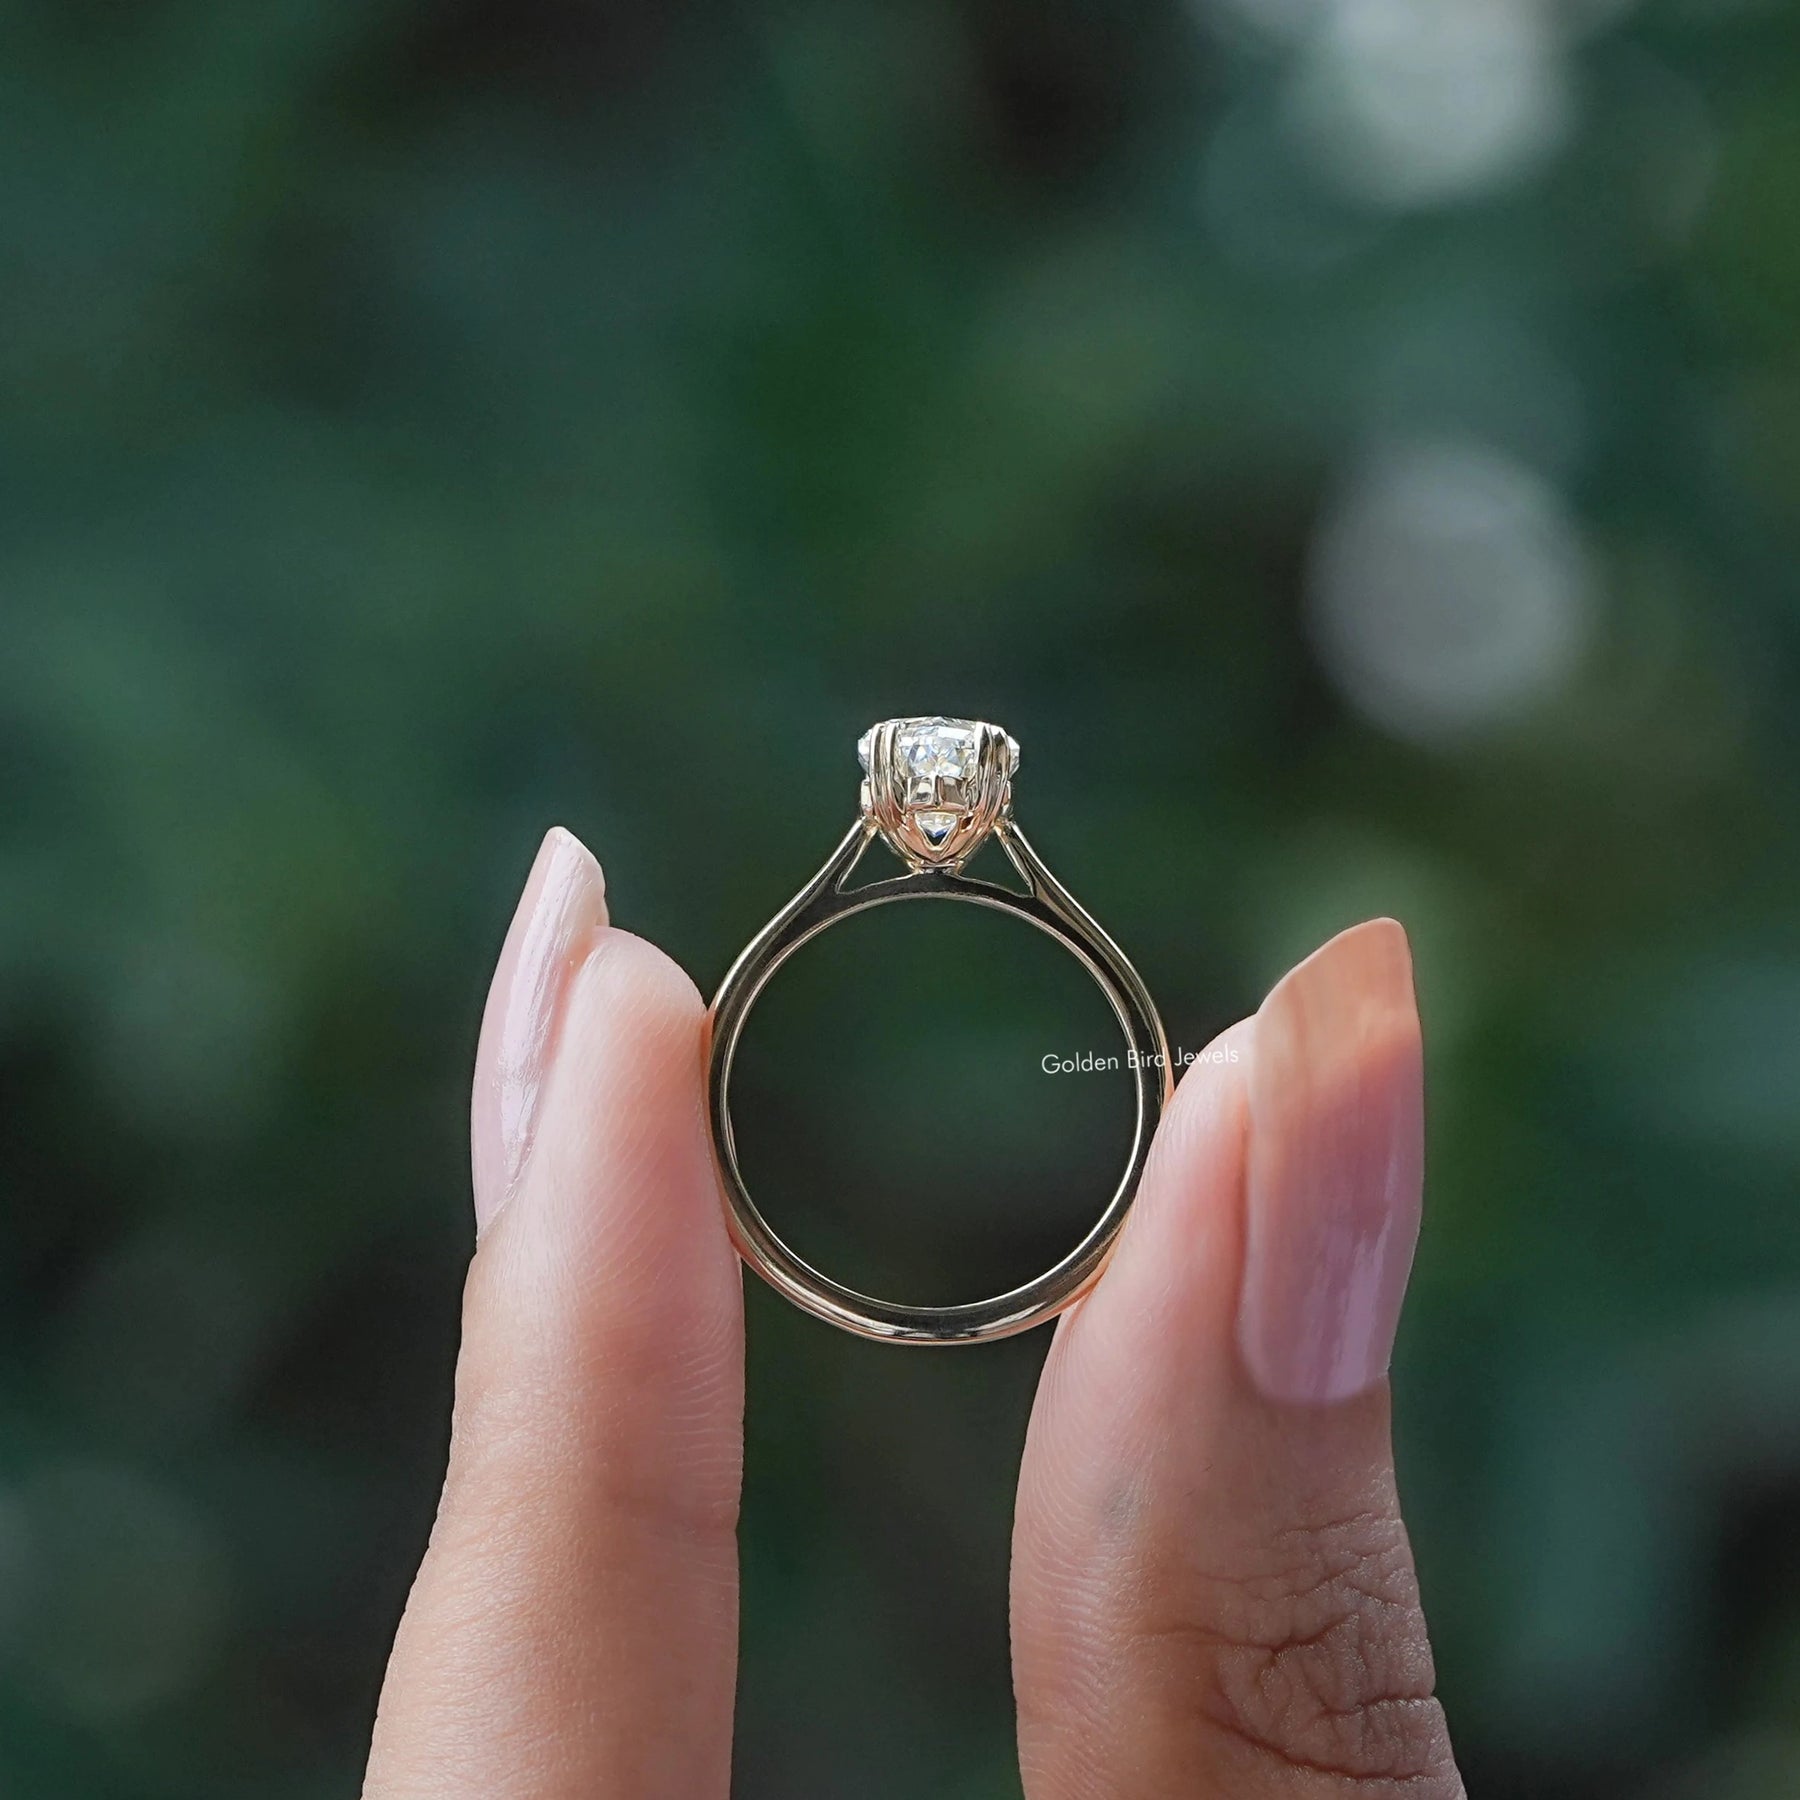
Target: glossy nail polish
{"x": 1335, "y": 1169}
{"x": 559, "y": 915}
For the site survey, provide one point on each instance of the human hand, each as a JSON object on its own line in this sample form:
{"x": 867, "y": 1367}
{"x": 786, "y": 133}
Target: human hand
{"x": 1212, "y": 1587}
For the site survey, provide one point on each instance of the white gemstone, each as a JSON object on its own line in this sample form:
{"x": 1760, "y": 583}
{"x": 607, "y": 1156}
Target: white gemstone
{"x": 938, "y": 749}
{"x": 928, "y": 751}
{"x": 935, "y": 825}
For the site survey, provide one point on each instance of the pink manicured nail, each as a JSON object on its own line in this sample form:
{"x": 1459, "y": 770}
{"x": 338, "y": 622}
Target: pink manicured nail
{"x": 1336, "y": 1165}
{"x": 559, "y": 914}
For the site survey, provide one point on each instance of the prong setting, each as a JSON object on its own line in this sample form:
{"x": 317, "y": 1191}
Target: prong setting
{"x": 936, "y": 787}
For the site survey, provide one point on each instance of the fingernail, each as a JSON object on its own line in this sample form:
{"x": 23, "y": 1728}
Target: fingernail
{"x": 1336, "y": 1166}
{"x": 561, "y": 911}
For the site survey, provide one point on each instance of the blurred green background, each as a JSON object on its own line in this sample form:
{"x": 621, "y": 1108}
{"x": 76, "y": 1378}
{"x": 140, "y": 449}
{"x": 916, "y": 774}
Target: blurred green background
{"x": 1353, "y": 444}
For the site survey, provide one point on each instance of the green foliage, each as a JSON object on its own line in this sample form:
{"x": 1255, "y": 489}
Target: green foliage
{"x": 1365, "y": 466}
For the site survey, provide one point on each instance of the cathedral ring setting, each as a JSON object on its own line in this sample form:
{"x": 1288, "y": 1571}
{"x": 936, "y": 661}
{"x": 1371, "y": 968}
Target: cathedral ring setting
{"x": 934, "y": 791}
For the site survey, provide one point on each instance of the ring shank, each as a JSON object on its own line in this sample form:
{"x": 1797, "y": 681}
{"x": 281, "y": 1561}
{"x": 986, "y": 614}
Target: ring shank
{"x": 1048, "y": 906}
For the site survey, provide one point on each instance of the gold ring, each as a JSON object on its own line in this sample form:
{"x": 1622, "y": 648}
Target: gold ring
{"x": 934, "y": 791}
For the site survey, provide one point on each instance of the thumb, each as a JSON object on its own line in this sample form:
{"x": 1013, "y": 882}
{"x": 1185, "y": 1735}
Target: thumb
{"x": 1213, "y": 1591}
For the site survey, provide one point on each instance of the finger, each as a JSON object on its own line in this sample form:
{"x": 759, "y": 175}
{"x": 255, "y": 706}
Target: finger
{"x": 573, "y": 1628}
{"x": 1213, "y": 1592}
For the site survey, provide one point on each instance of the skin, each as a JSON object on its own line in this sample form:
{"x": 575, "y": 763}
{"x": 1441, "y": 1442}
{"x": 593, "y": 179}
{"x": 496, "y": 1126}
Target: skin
{"x": 1213, "y": 1593}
